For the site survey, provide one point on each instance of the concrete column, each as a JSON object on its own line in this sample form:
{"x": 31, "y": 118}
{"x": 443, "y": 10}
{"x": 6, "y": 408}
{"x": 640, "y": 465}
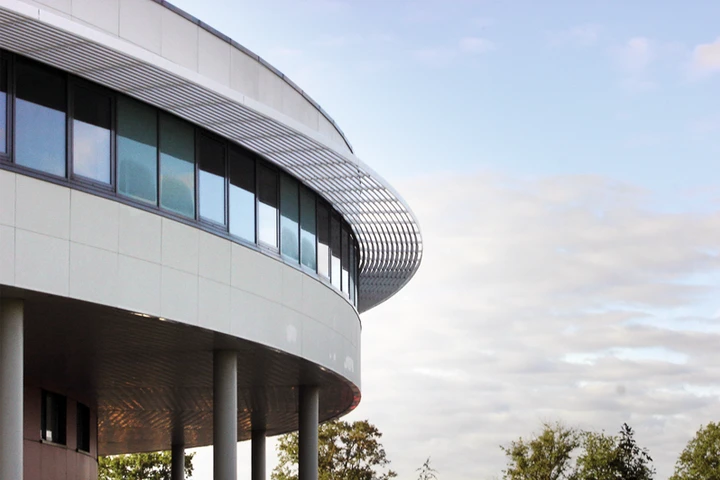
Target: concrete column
{"x": 177, "y": 469}
{"x": 258, "y": 455}
{"x": 308, "y": 434}
{"x": 11, "y": 389}
{"x": 225, "y": 415}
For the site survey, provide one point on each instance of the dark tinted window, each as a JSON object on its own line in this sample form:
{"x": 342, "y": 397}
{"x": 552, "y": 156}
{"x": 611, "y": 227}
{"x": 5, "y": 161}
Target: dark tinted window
{"x": 54, "y": 417}
{"x": 137, "y": 150}
{"x": 308, "y": 230}
{"x": 83, "y": 427}
{"x": 91, "y": 134}
{"x": 40, "y": 118}
{"x": 267, "y": 206}
{"x": 211, "y": 155}
{"x": 335, "y": 249}
{"x": 177, "y": 166}
{"x": 3, "y": 105}
{"x": 242, "y": 195}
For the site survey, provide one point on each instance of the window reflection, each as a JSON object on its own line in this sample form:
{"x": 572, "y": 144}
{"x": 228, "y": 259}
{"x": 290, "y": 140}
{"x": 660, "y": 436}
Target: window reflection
{"x": 308, "y": 251}
{"x": 40, "y": 118}
{"x": 177, "y": 166}
{"x": 136, "y": 150}
{"x": 335, "y": 248}
{"x": 211, "y": 156}
{"x": 242, "y": 195}
{"x": 289, "y": 218}
{"x": 91, "y": 135}
{"x": 323, "y": 229}
{"x": 3, "y": 105}
{"x": 267, "y": 206}
{"x": 345, "y": 261}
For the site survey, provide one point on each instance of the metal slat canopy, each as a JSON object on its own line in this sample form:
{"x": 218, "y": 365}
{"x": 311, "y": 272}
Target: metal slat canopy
{"x": 386, "y": 229}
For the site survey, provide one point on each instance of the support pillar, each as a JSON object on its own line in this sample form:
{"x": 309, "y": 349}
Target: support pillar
{"x": 177, "y": 468}
{"x": 225, "y": 415}
{"x": 11, "y": 389}
{"x": 308, "y": 433}
{"x": 258, "y": 455}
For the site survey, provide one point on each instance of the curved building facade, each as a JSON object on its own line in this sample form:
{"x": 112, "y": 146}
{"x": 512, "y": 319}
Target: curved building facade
{"x": 186, "y": 243}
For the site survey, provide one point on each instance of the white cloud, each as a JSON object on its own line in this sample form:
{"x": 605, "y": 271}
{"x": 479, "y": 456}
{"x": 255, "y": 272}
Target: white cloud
{"x": 561, "y": 297}
{"x": 636, "y": 54}
{"x": 577, "y": 36}
{"x": 706, "y": 58}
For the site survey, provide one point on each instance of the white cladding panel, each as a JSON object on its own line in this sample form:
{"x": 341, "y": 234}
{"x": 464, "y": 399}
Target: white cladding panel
{"x": 73, "y": 244}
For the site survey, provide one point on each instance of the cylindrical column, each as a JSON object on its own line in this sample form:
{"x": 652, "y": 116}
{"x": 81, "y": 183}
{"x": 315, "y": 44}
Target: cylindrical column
{"x": 225, "y": 415}
{"x": 308, "y": 433}
{"x": 177, "y": 468}
{"x": 258, "y": 455}
{"x": 11, "y": 389}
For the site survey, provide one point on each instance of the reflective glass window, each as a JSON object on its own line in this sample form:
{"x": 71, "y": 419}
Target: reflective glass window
{"x": 211, "y": 157}
{"x": 91, "y": 134}
{"x": 267, "y": 206}
{"x": 40, "y": 118}
{"x": 136, "y": 150}
{"x": 54, "y": 418}
{"x": 308, "y": 230}
{"x": 351, "y": 289}
{"x": 323, "y": 234}
{"x": 242, "y": 195}
{"x": 3, "y": 105}
{"x": 335, "y": 250}
{"x": 345, "y": 261}
{"x": 177, "y": 166}
{"x": 289, "y": 218}
{"x": 83, "y": 428}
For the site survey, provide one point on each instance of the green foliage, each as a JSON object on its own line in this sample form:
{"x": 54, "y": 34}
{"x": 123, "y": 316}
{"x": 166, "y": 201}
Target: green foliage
{"x": 346, "y": 451}
{"x": 700, "y": 460}
{"x": 549, "y": 456}
{"x": 613, "y": 458}
{"x": 544, "y": 457}
{"x": 140, "y": 466}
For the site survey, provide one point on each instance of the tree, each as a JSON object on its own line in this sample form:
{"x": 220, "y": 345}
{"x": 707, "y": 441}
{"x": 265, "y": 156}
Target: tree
{"x": 346, "y": 451}
{"x": 140, "y": 466}
{"x": 426, "y": 471}
{"x": 547, "y": 456}
{"x": 605, "y": 457}
{"x": 700, "y": 460}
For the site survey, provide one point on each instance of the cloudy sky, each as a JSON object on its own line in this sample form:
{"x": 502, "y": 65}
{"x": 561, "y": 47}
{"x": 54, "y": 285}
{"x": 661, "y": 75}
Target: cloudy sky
{"x": 560, "y": 156}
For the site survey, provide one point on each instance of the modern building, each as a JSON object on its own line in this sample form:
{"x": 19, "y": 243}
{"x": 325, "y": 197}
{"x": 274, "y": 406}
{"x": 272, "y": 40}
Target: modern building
{"x": 186, "y": 243}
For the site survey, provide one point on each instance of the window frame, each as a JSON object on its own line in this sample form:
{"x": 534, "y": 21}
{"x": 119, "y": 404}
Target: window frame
{"x": 264, "y": 164}
{"x": 81, "y": 407}
{"x": 210, "y": 224}
{"x": 7, "y": 155}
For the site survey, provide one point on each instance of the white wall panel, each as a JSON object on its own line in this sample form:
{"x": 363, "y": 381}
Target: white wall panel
{"x": 139, "y": 285}
{"x": 141, "y": 23}
{"x": 214, "y": 57}
{"x": 7, "y": 255}
{"x": 214, "y": 305}
{"x": 42, "y": 207}
{"x": 94, "y": 221}
{"x": 180, "y": 244}
{"x": 42, "y": 263}
{"x": 93, "y": 274}
{"x": 215, "y": 258}
{"x": 179, "y": 296}
{"x": 244, "y": 74}
{"x": 140, "y": 234}
{"x": 7, "y": 198}
{"x": 104, "y": 14}
{"x": 179, "y": 40}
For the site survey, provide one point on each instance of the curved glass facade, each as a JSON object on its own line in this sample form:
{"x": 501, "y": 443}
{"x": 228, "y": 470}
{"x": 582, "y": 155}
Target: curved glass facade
{"x": 65, "y": 129}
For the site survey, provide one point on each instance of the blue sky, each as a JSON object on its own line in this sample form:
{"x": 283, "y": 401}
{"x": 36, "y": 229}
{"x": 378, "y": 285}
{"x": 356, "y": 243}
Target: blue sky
{"x": 560, "y": 157}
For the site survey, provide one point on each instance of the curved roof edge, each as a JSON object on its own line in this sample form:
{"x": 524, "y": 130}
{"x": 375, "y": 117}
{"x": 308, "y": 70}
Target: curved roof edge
{"x": 257, "y": 57}
{"x": 387, "y": 231}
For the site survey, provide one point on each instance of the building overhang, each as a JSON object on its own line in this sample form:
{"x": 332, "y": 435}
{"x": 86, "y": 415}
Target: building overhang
{"x": 386, "y": 229}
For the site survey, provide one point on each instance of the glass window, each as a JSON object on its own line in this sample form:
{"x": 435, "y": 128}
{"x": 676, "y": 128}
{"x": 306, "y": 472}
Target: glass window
{"x": 323, "y": 234}
{"x": 54, "y": 417}
{"x": 40, "y": 118}
{"x": 3, "y": 105}
{"x": 335, "y": 246}
{"x": 137, "y": 150}
{"x": 177, "y": 166}
{"x": 83, "y": 428}
{"x": 351, "y": 289}
{"x": 308, "y": 247}
{"x": 242, "y": 195}
{"x": 267, "y": 206}
{"x": 91, "y": 134}
{"x": 289, "y": 218}
{"x": 346, "y": 261}
{"x": 211, "y": 155}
